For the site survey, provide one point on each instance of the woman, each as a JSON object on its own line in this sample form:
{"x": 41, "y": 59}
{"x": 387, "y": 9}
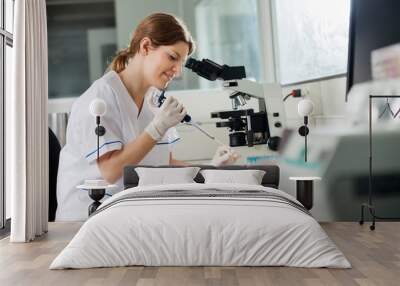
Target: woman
{"x": 134, "y": 133}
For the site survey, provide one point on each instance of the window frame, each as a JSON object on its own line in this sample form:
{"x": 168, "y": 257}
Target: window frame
{"x": 272, "y": 7}
{"x": 6, "y": 39}
{"x": 268, "y": 49}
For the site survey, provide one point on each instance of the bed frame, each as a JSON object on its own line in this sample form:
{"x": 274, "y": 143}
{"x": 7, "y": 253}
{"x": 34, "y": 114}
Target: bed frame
{"x": 270, "y": 179}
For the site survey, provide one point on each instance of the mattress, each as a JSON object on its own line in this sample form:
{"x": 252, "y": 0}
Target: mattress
{"x": 201, "y": 225}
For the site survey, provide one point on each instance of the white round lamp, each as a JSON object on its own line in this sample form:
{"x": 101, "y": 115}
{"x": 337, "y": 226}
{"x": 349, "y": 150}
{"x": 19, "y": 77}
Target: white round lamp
{"x": 305, "y": 107}
{"x": 98, "y": 107}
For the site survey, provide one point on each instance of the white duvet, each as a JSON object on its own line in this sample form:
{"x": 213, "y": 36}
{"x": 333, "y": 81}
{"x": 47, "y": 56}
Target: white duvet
{"x": 200, "y": 231}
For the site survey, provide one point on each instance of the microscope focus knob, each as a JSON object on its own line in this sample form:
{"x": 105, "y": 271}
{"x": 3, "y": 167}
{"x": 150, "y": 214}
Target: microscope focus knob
{"x": 273, "y": 143}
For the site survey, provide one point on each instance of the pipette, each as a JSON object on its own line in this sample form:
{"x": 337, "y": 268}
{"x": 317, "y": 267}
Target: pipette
{"x": 234, "y": 155}
{"x": 159, "y": 100}
{"x": 205, "y": 132}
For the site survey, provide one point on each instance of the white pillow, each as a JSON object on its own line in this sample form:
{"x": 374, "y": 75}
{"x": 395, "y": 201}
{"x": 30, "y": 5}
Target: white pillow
{"x": 248, "y": 177}
{"x": 163, "y": 176}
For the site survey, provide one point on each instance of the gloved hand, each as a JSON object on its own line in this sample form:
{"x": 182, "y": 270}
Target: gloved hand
{"x": 224, "y": 156}
{"x": 169, "y": 114}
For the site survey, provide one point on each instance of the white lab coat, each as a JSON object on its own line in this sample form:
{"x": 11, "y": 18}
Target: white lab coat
{"x": 78, "y": 157}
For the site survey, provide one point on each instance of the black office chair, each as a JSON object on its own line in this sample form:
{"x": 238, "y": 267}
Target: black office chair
{"x": 54, "y": 154}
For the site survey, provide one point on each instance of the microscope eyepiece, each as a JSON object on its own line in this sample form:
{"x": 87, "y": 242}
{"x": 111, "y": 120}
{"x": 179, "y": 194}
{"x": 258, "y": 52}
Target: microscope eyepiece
{"x": 212, "y": 71}
{"x": 191, "y": 64}
{"x": 205, "y": 68}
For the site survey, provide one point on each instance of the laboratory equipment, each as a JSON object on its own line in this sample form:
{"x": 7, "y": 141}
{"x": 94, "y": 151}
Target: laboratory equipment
{"x": 246, "y": 126}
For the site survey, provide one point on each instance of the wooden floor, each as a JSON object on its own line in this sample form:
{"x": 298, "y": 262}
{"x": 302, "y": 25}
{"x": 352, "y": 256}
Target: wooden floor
{"x": 374, "y": 255}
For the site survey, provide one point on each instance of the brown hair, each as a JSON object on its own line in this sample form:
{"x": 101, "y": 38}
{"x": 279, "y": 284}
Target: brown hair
{"x": 161, "y": 29}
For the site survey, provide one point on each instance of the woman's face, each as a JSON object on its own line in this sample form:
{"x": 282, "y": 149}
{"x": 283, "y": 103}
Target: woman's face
{"x": 163, "y": 63}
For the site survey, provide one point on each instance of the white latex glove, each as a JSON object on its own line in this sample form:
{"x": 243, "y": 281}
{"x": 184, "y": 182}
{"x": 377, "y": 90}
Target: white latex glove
{"x": 224, "y": 156}
{"x": 169, "y": 114}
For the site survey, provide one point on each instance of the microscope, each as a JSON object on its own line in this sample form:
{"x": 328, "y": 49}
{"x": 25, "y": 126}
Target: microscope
{"x": 246, "y": 126}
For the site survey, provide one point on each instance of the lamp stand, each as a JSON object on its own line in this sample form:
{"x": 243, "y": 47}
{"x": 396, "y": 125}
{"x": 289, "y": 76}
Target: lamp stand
{"x": 305, "y": 138}
{"x": 97, "y": 194}
{"x": 303, "y": 131}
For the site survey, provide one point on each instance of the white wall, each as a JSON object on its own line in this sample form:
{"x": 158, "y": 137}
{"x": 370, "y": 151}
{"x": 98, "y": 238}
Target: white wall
{"x": 329, "y": 96}
{"x": 329, "y": 100}
{"x": 196, "y": 148}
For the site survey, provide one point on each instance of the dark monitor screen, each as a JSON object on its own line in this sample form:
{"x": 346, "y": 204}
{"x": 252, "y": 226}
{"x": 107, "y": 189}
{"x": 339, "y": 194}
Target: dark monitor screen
{"x": 373, "y": 24}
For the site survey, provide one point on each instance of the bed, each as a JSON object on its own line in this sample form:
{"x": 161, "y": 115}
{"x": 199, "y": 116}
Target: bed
{"x": 201, "y": 224}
